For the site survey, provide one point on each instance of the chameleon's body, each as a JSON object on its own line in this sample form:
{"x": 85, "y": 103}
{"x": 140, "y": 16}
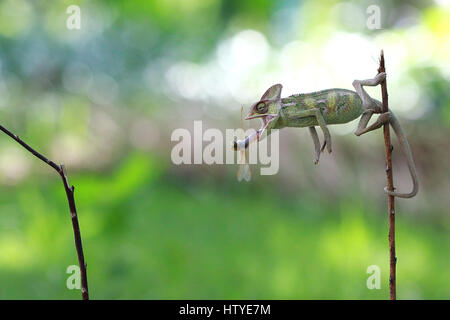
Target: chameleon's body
{"x": 336, "y": 105}
{"x": 326, "y": 107}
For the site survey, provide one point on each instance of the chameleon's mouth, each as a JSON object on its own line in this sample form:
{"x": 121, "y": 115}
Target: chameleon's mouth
{"x": 266, "y": 120}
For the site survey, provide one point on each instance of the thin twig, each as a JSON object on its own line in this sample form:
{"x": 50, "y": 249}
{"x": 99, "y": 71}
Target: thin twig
{"x": 390, "y": 186}
{"x": 73, "y": 211}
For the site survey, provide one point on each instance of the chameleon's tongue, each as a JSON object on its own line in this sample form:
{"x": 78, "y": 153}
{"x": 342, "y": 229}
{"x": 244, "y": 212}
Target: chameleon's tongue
{"x": 266, "y": 120}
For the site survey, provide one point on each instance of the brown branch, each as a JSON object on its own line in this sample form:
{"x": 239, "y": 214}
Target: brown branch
{"x": 73, "y": 211}
{"x": 390, "y": 186}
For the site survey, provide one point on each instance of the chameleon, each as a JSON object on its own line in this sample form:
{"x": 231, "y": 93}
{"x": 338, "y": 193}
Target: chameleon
{"x": 328, "y": 107}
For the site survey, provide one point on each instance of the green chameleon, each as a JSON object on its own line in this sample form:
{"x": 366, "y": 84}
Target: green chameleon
{"x": 326, "y": 107}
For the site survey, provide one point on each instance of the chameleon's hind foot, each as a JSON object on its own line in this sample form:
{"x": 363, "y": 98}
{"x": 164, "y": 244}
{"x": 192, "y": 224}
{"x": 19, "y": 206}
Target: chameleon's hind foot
{"x": 379, "y": 78}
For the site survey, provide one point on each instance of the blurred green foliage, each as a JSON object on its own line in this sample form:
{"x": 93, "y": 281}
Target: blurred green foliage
{"x": 104, "y": 100}
{"x": 149, "y": 235}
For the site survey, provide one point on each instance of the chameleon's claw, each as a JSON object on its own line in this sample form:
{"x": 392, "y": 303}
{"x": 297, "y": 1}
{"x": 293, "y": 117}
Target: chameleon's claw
{"x": 323, "y": 145}
{"x": 379, "y": 78}
{"x": 327, "y": 144}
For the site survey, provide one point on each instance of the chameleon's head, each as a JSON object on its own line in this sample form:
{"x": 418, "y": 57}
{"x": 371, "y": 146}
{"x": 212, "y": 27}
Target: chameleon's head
{"x": 267, "y": 108}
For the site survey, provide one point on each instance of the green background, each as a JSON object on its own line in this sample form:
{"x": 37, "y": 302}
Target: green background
{"x": 105, "y": 99}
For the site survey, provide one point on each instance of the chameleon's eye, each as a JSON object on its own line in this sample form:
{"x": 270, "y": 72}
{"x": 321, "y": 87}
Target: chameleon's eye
{"x": 261, "y": 107}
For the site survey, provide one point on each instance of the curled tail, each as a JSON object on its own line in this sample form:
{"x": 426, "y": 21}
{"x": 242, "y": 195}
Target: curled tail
{"x": 404, "y": 145}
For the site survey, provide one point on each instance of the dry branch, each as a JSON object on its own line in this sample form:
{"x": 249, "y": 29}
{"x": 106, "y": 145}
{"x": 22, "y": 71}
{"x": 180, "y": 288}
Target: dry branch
{"x": 390, "y": 186}
{"x": 73, "y": 211}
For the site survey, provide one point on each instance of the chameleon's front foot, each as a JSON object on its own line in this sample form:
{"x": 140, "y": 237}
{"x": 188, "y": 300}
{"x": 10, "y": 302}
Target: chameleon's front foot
{"x": 316, "y": 158}
{"x": 326, "y": 143}
{"x": 316, "y": 142}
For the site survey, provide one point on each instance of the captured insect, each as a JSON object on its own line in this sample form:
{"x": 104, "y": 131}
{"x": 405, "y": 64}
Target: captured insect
{"x": 241, "y": 145}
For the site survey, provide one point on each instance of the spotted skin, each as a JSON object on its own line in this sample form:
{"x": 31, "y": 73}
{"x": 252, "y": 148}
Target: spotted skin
{"x": 336, "y": 105}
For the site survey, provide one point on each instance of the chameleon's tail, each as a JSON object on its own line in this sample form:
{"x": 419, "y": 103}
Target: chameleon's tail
{"x": 404, "y": 145}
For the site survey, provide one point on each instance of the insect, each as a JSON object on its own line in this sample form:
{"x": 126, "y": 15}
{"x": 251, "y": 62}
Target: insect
{"x": 243, "y": 172}
{"x": 327, "y": 107}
